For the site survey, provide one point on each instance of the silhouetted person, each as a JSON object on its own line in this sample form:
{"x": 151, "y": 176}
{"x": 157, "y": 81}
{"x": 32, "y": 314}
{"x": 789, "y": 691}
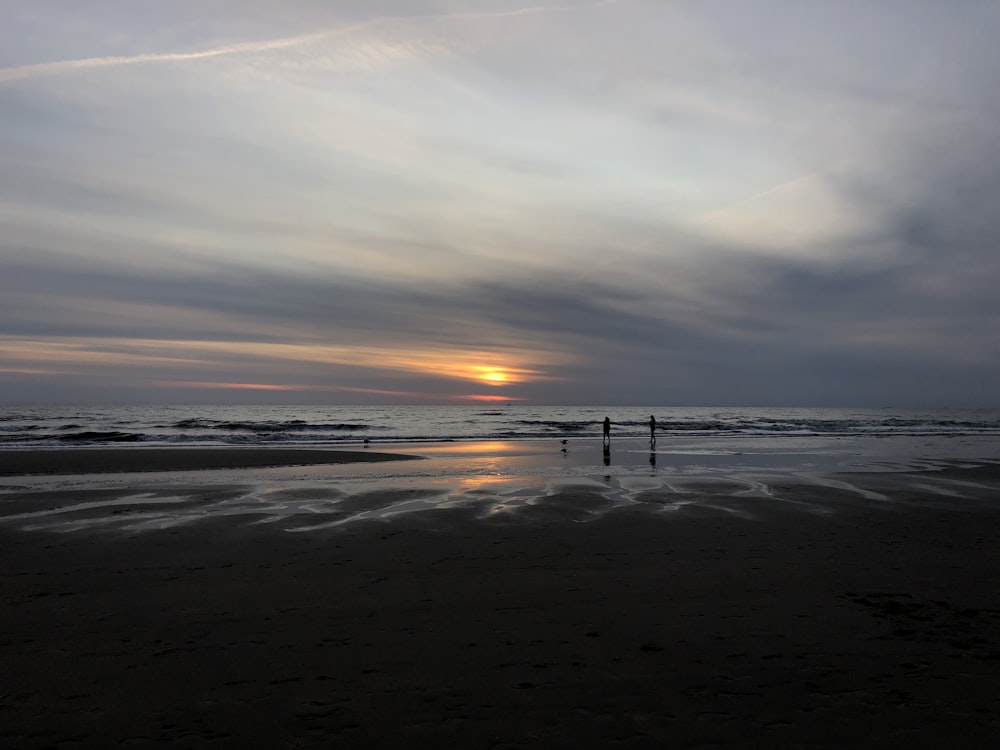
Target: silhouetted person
{"x": 652, "y": 429}
{"x": 607, "y": 430}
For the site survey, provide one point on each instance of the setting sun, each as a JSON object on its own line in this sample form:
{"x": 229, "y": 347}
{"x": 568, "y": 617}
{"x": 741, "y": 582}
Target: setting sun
{"x": 493, "y": 375}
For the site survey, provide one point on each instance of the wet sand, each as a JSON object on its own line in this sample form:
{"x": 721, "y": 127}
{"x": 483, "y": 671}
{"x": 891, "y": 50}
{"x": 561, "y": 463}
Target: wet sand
{"x": 864, "y": 612}
{"x": 108, "y": 460}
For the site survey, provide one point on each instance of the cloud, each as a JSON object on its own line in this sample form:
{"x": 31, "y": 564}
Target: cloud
{"x": 712, "y": 200}
{"x": 19, "y": 72}
{"x": 358, "y": 55}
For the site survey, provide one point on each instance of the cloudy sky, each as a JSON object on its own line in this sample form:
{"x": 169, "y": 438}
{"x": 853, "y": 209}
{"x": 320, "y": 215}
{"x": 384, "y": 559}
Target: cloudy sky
{"x": 692, "y": 202}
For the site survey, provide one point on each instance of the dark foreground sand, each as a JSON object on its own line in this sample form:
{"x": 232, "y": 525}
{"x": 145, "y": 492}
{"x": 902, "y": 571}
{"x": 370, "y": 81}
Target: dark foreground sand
{"x": 813, "y": 618}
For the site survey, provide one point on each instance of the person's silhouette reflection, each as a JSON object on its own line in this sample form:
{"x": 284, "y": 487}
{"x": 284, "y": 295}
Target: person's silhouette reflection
{"x": 607, "y": 454}
{"x": 652, "y": 459}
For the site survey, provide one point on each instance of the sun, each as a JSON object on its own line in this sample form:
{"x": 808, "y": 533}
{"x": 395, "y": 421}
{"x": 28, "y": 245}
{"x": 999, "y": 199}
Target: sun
{"x": 493, "y": 375}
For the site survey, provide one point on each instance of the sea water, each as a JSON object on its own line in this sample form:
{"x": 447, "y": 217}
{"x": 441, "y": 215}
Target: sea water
{"x": 34, "y": 427}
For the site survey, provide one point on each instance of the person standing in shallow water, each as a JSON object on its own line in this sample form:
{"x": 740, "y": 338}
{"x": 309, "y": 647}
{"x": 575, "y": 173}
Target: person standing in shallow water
{"x": 652, "y": 429}
{"x": 607, "y": 430}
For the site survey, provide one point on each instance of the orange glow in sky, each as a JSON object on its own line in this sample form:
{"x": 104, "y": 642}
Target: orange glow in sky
{"x": 231, "y": 386}
{"x": 488, "y": 397}
{"x": 273, "y": 363}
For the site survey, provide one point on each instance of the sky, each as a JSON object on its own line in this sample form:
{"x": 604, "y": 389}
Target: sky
{"x": 661, "y": 202}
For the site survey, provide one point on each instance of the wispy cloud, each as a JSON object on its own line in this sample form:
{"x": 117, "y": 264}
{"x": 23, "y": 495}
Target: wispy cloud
{"x": 68, "y": 66}
{"x": 35, "y": 70}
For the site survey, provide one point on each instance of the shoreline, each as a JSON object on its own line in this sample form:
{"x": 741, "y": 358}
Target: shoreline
{"x": 738, "y": 453}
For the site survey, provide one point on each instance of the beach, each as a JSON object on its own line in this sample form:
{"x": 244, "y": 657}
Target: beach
{"x": 140, "y": 460}
{"x": 491, "y": 596}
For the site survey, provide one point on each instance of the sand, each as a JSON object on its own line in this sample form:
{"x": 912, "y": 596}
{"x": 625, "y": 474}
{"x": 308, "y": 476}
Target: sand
{"x": 103, "y": 461}
{"x": 863, "y": 612}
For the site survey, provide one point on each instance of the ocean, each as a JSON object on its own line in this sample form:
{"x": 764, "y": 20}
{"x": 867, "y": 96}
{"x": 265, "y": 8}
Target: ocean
{"x": 53, "y": 427}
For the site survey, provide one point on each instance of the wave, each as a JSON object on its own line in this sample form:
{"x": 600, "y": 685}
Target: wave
{"x": 294, "y": 425}
{"x": 558, "y": 425}
{"x": 91, "y": 436}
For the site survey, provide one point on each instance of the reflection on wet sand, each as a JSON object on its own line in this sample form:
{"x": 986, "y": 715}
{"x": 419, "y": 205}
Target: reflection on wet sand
{"x": 496, "y": 480}
{"x": 306, "y": 506}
